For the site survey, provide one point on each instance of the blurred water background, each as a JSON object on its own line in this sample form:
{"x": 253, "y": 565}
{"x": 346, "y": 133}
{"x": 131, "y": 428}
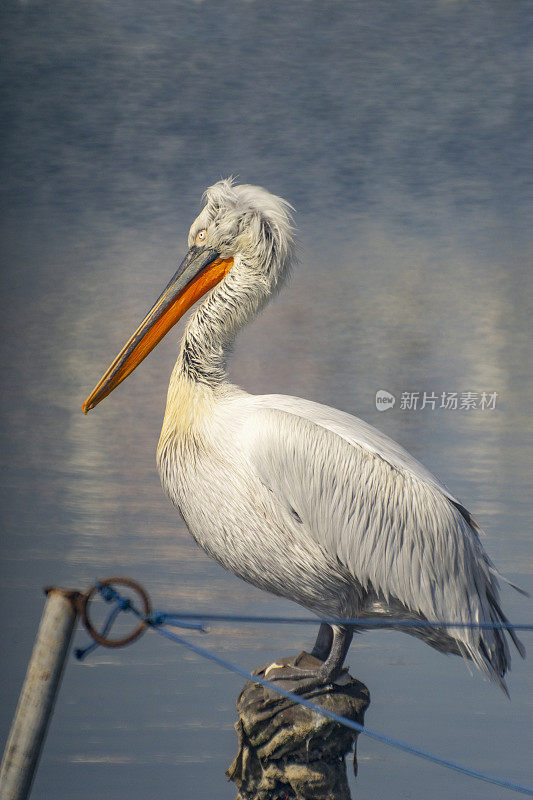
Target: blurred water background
{"x": 399, "y": 132}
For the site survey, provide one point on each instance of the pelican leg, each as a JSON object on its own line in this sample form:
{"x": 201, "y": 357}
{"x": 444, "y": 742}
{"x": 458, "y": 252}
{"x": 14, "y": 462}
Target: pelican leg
{"x": 342, "y": 639}
{"x": 323, "y": 643}
{"x": 308, "y": 679}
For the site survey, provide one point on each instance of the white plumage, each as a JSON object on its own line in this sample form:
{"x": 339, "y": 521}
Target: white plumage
{"x": 300, "y": 499}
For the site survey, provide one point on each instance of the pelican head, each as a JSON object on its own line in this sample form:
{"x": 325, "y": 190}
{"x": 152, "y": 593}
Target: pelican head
{"x": 248, "y": 224}
{"x": 240, "y": 249}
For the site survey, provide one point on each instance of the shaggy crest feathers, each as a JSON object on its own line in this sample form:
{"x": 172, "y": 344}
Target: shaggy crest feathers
{"x": 259, "y": 224}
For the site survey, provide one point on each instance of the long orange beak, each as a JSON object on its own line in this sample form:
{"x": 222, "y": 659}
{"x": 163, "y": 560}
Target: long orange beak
{"x": 199, "y": 272}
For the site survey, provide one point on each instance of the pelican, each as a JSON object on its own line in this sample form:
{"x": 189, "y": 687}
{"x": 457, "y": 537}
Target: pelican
{"x": 299, "y": 499}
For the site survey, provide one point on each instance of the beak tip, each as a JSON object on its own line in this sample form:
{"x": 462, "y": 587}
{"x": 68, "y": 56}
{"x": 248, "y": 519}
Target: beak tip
{"x": 85, "y": 407}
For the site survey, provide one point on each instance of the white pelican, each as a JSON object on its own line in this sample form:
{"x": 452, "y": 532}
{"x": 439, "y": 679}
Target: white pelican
{"x": 297, "y": 498}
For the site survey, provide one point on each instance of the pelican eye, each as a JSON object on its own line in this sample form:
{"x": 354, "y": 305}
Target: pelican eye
{"x": 200, "y": 236}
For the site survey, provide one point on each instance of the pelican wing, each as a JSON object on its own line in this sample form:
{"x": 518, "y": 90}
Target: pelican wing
{"x": 382, "y": 515}
{"x": 359, "y": 434}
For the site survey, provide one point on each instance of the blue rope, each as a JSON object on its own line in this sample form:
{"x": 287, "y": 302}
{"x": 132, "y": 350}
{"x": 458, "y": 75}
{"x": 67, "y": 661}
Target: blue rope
{"x": 158, "y": 619}
{"x": 180, "y": 619}
{"x": 348, "y": 723}
{"x": 171, "y": 618}
{"x": 113, "y": 614}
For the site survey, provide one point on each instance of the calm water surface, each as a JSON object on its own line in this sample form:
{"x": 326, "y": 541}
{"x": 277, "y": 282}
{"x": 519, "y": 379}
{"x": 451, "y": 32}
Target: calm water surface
{"x": 399, "y": 132}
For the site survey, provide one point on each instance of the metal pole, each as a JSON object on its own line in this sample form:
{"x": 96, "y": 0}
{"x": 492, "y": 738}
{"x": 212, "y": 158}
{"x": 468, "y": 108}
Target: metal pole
{"x": 36, "y": 701}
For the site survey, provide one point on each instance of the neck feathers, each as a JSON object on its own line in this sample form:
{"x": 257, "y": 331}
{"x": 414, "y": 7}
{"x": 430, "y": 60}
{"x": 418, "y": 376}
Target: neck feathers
{"x": 189, "y": 404}
{"x": 210, "y": 334}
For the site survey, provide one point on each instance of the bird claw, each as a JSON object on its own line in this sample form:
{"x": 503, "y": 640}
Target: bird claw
{"x": 298, "y": 680}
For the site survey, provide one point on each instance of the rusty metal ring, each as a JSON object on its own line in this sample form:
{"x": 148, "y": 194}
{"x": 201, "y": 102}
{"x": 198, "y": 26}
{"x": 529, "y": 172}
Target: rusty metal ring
{"x": 131, "y": 637}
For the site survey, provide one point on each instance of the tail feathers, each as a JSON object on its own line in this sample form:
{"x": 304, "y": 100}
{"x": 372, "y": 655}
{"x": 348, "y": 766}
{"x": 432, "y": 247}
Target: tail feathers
{"x": 488, "y": 648}
{"x": 509, "y": 583}
{"x": 516, "y": 641}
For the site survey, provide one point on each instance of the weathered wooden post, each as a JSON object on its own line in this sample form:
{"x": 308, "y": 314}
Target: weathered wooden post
{"x": 288, "y": 751}
{"x": 36, "y": 701}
